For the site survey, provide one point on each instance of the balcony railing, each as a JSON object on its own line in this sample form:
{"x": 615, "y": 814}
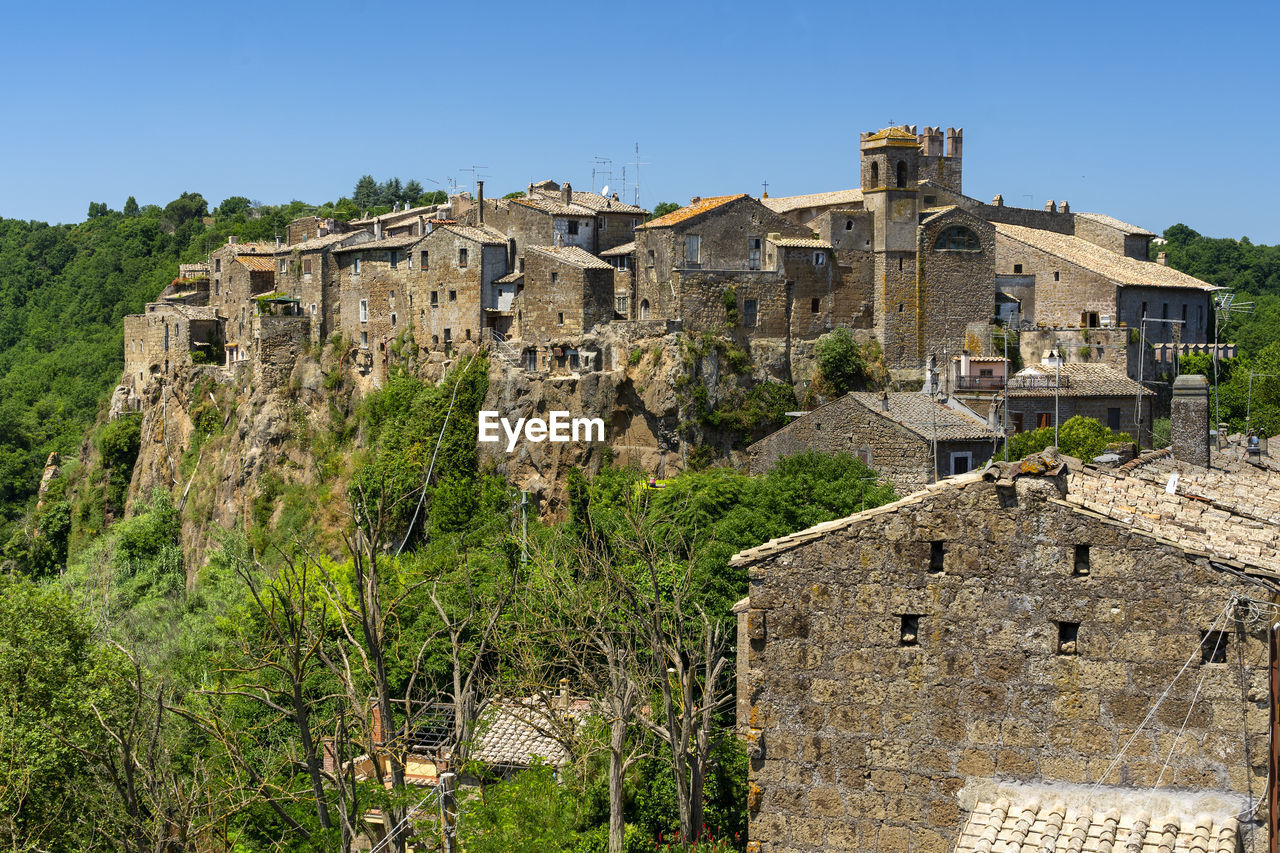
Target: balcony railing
{"x": 979, "y": 383}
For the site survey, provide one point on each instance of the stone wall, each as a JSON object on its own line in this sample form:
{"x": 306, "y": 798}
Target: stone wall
{"x": 1103, "y": 346}
{"x": 561, "y": 300}
{"x": 864, "y": 732}
{"x": 1063, "y": 291}
{"x": 615, "y": 229}
{"x": 956, "y": 286}
{"x": 1169, "y": 303}
{"x": 278, "y": 341}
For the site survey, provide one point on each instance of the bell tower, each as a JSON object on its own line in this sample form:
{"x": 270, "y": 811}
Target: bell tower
{"x": 890, "y": 191}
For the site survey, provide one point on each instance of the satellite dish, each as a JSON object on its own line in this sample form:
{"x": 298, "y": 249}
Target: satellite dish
{"x": 604, "y": 191}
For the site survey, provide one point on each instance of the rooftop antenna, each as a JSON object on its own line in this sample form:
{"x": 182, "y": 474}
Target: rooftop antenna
{"x": 602, "y": 166}
{"x": 636, "y": 187}
{"x": 475, "y": 174}
{"x": 1224, "y": 305}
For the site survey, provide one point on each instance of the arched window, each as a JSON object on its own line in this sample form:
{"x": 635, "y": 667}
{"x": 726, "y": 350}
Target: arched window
{"x": 902, "y": 173}
{"x": 875, "y": 173}
{"x": 957, "y": 238}
{"x": 848, "y": 225}
{"x": 644, "y": 309}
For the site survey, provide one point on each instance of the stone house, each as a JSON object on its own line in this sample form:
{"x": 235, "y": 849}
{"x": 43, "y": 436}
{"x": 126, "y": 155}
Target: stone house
{"x": 167, "y": 337}
{"x": 623, "y": 259}
{"x": 959, "y": 664}
{"x": 804, "y": 209}
{"x": 1097, "y": 391}
{"x": 565, "y": 292}
{"x": 552, "y": 214}
{"x": 457, "y": 295}
{"x": 375, "y": 307}
{"x": 909, "y": 437}
{"x": 308, "y": 271}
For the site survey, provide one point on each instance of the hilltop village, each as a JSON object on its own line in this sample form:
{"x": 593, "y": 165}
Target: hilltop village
{"x": 1046, "y": 654}
{"x": 557, "y": 282}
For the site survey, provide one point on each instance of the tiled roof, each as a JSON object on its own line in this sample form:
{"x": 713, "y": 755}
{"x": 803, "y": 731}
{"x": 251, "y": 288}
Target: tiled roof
{"x": 600, "y": 204}
{"x": 385, "y": 243}
{"x": 697, "y": 208}
{"x": 514, "y": 732}
{"x": 786, "y": 204}
{"x": 396, "y": 214}
{"x": 893, "y": 133}
{"x": 624, "y": 249}
{"x": 800, "y": 243}
{"x": 573, "y": 255}
{"x": 923, "y": 415}
{"x": 1120, "y": 269}
{"x": 321, "y": 242}
{"x": 482, "y": 234}
{"x": 1082, "y": 380}
{"x": 1230, "y": 510}
{"x": 1117, "y": 224}
{"x": 257, "y": 263}
{"x": 1106, "y": 820}
{"x": 555, "y": 207}
{"x": 510, "y": 278}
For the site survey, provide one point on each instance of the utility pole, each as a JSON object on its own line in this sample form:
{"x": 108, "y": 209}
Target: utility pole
{"x": 636, "y": 187}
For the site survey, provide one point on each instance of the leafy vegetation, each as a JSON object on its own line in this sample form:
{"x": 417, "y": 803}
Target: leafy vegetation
{"x": 1081, "y": 437}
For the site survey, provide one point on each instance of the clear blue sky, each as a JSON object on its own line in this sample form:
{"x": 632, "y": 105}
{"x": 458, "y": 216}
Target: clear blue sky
{"x": 1155, "y": 113}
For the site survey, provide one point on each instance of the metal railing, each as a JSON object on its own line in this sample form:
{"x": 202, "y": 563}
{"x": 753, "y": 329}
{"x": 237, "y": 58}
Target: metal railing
{"x": 979, "y": 383}
{"x": 1038, "y": 383}
{"x": 498, "y": 343}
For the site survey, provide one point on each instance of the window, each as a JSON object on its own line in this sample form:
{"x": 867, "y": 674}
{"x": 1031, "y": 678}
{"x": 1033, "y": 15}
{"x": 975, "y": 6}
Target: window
{"x": 937, "y": 556}
{"x": 391, "y": 299}
{"x": 875, "y": 173}
{"x": 749, "y": 309}
{"x": 453, "y": 296}
{"x": 468, "y": 334}
{"x": 1080, "y": 566}
{"x": 1213, "y": 646}
{"x": 644, "y": 309}
{"x": 448, "y": 337}
{"x": 555, "y": 276}
{"x": 409, "y": 260}
{"x": 313, "y": 309}
{"x": 909, "y": 630}
{"x": 650, "y": 259}
{"x": 957, "y": 238}
{"x": 634, "y": 223}
{"x": 901, "y": 305}
{"x": 1144, "y": 310}
{"x": 364, "y": 339}
{"x": 621, "y": 306}
{"x": 902, "y": 173}
{"x": 692, "y": 249}
{"x": 217, "y": 286}
{"x": 1164, "y": 311}
{"x": 601, "y": 223}
{"x": 848, "y": 225}
{"x": 560, "y": 319}
{"x": 986, "y": 372}
{"x": 1017, "y": 269}
{"x": 283, "y": 265}
{"x": 364, "y": 310}
{"x": 425, "y": 255}
{"x": 306, "y": 266}
{"x": 815, "y": 305}
{"x": 395, "y": 258}
{"x": 393, "y": 319}
{"x": 573, "y": 227}
{"x": 166, "y": 337}
{"x": 1057, "y": 276}
{"x": 753, "y": 253}
{"x": 435, "y": 298}
{"x": 1068, "y": 637}
{"x": 573, "y": 359}
{"x": 355, "y": 265}
{"x": 1184, "y": 314}
{"x": 522, "y": 265}
{"x": 1017, "y": 421}
{"x": 1113, "y": 419}
{"x": 217, "y": 264}
{"x": 819, "y": 258}
{"x": 961, "y": 463}
{"x": 1042, "y": 420}
{"x": 462, "y": 258}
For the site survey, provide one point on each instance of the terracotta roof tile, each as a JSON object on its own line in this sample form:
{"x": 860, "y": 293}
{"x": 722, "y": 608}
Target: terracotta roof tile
{"x": 786, "y": 204}
{"x": 616, "y": 251}
{"x": 257, "y": 263}
{"x": 572, "y": 255}
{"x": 1117, "y": 224}
{"x": 697, "y": 208}
{"x": 515, "y": 732}
{"x": 800, "y": 243}
{"x": 1079, "y": 380}
{"x": 1118, "y": 268}
{"x": 482, "y": 234}
{"x": 923, "y": 415}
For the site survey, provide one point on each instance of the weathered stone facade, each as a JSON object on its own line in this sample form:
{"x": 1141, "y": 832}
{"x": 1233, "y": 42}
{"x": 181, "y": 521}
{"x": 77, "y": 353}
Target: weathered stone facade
{"x": 988, "y": 629}
{"x": 162, "y": 339}
{"x": 893, "y": 433}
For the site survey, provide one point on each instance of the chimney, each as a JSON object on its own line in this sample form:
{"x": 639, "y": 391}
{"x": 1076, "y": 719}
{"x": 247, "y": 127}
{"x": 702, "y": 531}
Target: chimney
{"x": 566, "y": 193}
{"x": 1050, "y": 206}
{"x": 1162, "y": 258}
{"x": 1189, "y": 419}
{"x": 964, "y": 362}
{"x": 277, "y": 241}
{"x": 884, "y": 400}
{"x": 1064, "y": 207}
{"x": 232, "y": 240}
{"x": 480, "y": 199}
{"x": 998, "y": 201}
{"x": 564, "y": 693}
{"x": 377, "y": 229}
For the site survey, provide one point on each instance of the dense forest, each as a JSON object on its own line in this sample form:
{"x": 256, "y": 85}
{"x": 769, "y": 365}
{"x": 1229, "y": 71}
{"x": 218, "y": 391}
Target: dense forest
{"x": 149, "y": 705}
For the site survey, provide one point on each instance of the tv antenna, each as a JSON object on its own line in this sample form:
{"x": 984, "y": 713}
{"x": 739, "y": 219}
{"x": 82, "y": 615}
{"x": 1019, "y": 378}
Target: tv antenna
{"x": 1224, "y": 306}
{"x": 475, "y": 174}
{"x": 636, "y": 186}
{"x": 602, "y": 166}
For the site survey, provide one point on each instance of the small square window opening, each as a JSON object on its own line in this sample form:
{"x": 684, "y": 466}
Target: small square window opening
{"x": 1068, "y": 638}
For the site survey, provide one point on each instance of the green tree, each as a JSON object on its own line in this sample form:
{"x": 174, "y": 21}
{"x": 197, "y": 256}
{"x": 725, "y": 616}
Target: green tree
{"x": 1081, "y": 437}
{"x": 185, "y": 208}
{"x": 412, "y": 192}
{"x": 365, "y": 193}
{"x": 663, "y": 208}
{"x": 236, "y": 205}
{"x": 131, "y": 206}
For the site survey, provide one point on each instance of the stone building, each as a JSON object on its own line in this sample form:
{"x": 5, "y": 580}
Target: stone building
{"x": 552, "y": 214}
{"x": 908, "y": 437}
{"x": 565, "y": 292}
{"x": 958, "y": 664}
{"x": 1036, "y": 395}
{"x": 457, "y": 295}
{"x": 167, "y": 337}
{"x": 308, "y": 271}
{"x": 375, "y": 306}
